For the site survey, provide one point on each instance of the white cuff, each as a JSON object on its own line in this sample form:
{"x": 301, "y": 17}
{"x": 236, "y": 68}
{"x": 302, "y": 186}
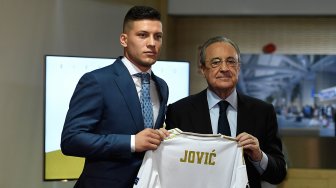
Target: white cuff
{"x": 132, "y": 143}
{"x": 262, "y": 164}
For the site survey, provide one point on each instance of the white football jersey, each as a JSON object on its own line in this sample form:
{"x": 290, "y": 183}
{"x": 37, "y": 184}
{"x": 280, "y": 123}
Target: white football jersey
{"x": 190, "y": 160}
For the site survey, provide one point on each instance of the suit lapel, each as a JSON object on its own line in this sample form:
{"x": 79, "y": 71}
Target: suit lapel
{"x": 128, "y": 91}
{"x": 162, "y": 90}
{"x": 245, "y": 118}
{"x": 200, "y": 104}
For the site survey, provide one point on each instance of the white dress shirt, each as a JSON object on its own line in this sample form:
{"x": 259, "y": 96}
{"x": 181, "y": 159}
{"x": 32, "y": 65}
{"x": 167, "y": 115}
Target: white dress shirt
{"x": 153, "y": 92}
{"x": 231, "y": 113}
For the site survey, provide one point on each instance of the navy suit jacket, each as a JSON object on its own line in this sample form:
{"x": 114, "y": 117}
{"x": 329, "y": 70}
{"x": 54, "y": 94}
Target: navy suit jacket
{"x": 254, "y": 116}
{"x": 104, "y": 112}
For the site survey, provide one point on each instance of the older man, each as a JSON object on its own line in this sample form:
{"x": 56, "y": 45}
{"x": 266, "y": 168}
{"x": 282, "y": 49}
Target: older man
{"x": 222, "y": 109}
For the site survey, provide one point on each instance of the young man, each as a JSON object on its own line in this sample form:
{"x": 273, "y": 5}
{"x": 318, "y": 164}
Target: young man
{"x": 108, "y": 122}
{"x": 251, "y": 121}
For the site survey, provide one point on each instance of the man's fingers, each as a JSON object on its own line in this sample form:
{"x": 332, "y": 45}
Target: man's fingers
{"x": 163, "y": 133}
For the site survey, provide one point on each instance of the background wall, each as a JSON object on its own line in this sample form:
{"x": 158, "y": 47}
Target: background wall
{"x": 32, "y": 28}
{"x": 315, "y": 35}
{"x": 253, "y": 7}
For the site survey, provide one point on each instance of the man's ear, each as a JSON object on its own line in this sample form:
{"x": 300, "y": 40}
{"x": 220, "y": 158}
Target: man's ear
{"x": 202, "y": 70}
{"x": 238, "y": 69}
{"x": 123, "y": 40}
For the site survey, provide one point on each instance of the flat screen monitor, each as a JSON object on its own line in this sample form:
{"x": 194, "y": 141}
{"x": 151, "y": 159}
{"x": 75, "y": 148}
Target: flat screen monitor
{"x": 61, "y": 76}
{"x": 302, "y": 88}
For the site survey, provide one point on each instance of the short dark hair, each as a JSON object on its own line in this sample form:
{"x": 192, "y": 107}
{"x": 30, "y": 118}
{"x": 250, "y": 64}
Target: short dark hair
{"x": 214, "y": 40}
{"x": 141, "y": 13}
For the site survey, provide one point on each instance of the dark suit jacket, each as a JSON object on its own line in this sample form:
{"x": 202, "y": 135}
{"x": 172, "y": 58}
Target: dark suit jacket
{"x": 254, "y": 117}
{"x": 103, "y": 114}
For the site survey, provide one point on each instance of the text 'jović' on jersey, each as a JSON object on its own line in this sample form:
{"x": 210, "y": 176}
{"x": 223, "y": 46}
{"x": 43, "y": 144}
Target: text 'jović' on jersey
{"x": 191, "y": 160}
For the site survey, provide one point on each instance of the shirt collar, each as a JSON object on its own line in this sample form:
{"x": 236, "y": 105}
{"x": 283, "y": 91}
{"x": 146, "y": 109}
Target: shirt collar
{"x": 131, "y": 67}
{"x": 213, "y": 99}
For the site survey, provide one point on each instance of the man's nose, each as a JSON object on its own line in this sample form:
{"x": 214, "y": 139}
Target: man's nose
{"x": 151, "y": 41}
{"x": 223, "y": 65}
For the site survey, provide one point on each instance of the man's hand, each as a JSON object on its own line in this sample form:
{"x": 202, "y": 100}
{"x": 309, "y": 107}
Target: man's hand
{"x": 149, "y": 139}
{"x": 250, "y": 145}
{"x": 163, "y": 133}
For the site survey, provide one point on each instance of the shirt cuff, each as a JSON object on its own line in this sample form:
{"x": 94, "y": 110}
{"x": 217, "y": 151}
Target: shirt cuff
{"x": 132, "y": 143}
{"x": 262, "y": 164}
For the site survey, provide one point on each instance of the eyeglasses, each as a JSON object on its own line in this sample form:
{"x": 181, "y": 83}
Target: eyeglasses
{"x": 229, "y": 62}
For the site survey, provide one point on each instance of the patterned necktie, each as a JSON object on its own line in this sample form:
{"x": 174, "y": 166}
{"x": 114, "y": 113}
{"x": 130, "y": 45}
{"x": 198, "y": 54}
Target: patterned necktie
{"x": 223, "y": 123}
{"x": 145, "y": 100}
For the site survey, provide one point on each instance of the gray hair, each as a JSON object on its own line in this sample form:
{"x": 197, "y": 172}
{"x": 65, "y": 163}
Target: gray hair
{"x": 214, "y": 40}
